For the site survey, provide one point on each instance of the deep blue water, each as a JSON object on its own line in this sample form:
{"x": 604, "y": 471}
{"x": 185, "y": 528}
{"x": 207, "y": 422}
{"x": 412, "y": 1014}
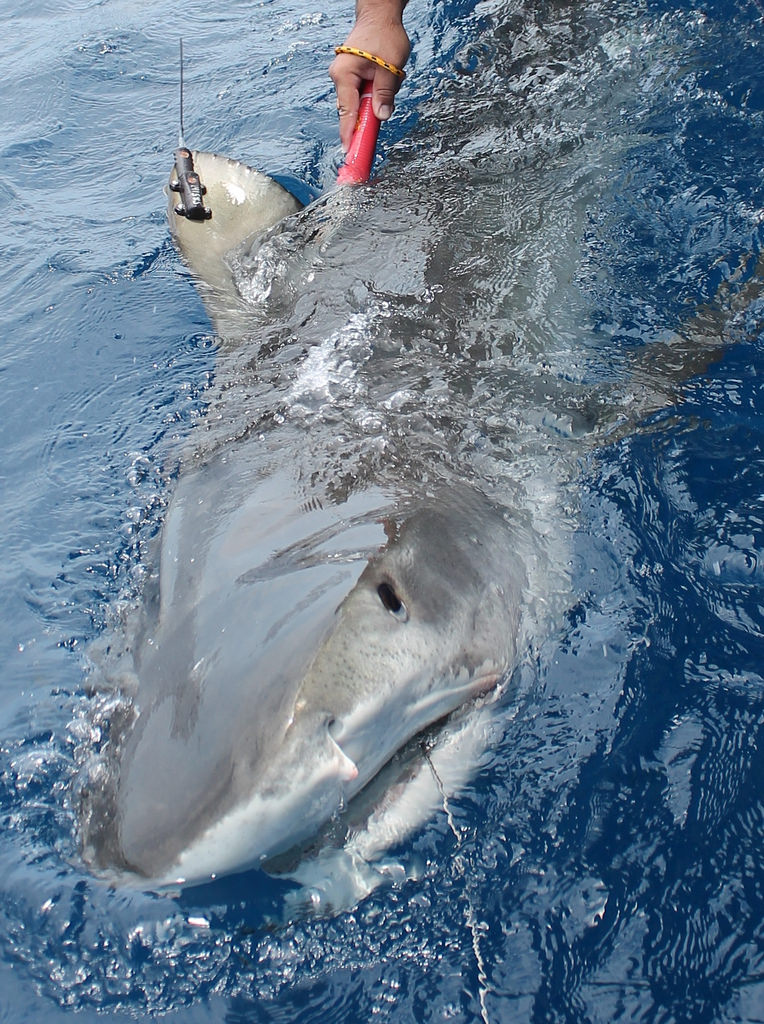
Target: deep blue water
{"x": 606, "y": 862}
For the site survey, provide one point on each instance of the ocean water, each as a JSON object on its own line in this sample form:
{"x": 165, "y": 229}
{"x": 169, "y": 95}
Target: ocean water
{"x": 557, "y": 277}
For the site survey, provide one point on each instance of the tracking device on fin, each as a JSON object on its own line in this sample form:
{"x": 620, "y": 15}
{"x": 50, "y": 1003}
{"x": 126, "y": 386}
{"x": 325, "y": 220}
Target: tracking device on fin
{"x": 189, "y": 187}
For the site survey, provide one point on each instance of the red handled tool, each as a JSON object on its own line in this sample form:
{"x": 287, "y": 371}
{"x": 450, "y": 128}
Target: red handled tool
{"x": 360, "y": 157}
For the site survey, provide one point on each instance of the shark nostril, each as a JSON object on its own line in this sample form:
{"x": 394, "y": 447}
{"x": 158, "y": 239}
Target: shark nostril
{"x": 335, "y": 727}
{"x": 392, "y": 602}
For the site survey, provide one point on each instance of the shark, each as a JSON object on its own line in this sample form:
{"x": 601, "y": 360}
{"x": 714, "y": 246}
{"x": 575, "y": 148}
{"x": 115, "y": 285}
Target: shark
{"x": 368, "y": 543}
{"x": 288, "y": 649}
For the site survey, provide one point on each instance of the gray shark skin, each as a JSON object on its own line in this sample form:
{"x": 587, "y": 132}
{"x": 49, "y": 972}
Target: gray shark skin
{"x": 293, "y": 645}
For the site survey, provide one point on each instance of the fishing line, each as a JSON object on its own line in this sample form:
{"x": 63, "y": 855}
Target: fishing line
{"x": 474, "y": 927}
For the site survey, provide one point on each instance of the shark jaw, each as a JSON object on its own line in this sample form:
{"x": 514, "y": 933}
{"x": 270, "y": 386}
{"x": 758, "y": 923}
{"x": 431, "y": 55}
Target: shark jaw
{"x": 317, "y": 777}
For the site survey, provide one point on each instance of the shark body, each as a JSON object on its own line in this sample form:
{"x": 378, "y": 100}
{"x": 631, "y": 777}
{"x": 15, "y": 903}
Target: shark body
{"x": 292, "y": 648}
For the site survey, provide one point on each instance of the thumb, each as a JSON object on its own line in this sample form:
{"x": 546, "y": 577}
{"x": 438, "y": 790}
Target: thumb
{"x": 385, "y": 86}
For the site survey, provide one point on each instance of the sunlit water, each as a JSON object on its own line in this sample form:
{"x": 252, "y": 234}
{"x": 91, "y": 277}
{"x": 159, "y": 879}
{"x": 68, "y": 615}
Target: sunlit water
{"x": 553, "y": 290}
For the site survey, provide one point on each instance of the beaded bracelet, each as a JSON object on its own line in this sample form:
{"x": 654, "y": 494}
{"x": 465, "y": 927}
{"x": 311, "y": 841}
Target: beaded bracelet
{"x": 398, "y": 72}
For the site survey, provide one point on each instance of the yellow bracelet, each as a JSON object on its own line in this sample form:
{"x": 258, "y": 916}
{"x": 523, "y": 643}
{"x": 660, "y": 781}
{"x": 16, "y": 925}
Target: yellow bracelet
{"x": 370, "y": 56}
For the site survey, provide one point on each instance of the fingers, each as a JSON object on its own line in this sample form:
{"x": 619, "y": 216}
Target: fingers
{"x": 346, "y": 72}
{"x": 348, "y": 117}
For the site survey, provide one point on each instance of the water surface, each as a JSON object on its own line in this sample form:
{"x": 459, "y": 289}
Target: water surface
{"x": 554, "y": 288}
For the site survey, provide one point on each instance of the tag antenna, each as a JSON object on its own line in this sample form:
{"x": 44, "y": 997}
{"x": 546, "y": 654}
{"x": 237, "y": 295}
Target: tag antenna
{"x": 181, "y": 137}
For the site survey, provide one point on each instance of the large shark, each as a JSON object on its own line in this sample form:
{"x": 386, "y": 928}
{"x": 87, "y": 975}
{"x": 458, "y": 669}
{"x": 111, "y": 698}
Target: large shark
{"x": 372, "y": 528}
{"x": 371, "y": 531}
{"x": 293, "y": 646}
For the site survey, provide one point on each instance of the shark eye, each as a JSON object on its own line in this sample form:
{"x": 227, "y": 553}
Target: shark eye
{"x": 392, "y": 602}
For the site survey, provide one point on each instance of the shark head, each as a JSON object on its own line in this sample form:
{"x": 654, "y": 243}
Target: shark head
{"x": 429, "y": 624}
{"x": 238, "y": 755}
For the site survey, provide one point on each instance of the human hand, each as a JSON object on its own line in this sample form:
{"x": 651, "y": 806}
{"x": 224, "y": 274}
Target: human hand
{"x": 378, "y": 30}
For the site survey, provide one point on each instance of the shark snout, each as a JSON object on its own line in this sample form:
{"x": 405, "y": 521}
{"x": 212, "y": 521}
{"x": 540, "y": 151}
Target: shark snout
{"x": 307, "y": 779}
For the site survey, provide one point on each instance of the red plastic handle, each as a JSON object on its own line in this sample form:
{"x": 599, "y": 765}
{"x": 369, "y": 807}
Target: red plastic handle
{"x": 360, "y": 156}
